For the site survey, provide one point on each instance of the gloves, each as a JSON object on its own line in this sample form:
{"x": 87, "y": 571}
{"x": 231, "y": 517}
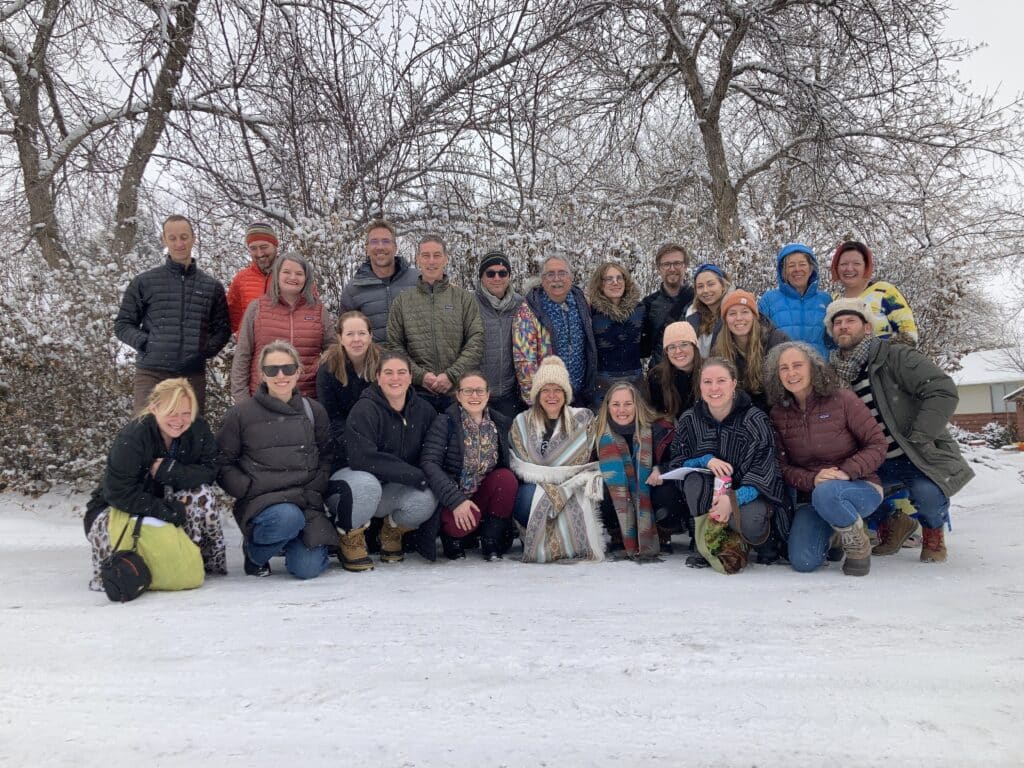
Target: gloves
{"x": 173, "y": 513}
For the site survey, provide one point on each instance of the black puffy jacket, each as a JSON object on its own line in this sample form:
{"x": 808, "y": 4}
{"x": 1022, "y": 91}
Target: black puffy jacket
{"x": 442, "y": 453}
{"x": 127, "y": 484}
{"x": 385, "y": 442}
{"x": 662, "y": 309}
{"x": 273, "y": 453}
{"x": 338, "y": 400}
{"x": 175, "y": 317}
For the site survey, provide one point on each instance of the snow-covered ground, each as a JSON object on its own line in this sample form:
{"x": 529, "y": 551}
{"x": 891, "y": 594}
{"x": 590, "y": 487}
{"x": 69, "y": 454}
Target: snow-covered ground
{"x": 475, "y": 664}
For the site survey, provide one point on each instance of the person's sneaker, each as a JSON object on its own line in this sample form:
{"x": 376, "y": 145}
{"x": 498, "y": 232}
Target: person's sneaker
{"x": 892, "y": 533}
{"x": 933, "y": 545}
{"x": 857, "y": 547}
{"x": 252, "y": 568}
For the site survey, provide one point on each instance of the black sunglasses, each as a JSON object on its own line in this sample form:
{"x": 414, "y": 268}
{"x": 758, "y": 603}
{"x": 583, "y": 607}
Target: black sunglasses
{"x": 496, "y": 273}
{"x": 288, "y": 369}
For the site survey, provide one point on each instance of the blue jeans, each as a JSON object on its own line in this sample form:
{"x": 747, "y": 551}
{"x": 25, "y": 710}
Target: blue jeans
{"x": 836, "y": 503}
{"x": 524, "y": 498}
{"x": 278, "y": 529}
{"x": 931, "y": 503}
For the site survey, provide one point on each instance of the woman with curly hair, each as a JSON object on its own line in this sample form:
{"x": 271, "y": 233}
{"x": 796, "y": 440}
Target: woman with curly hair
{"x": 830, "y": 448}
{"x": 618, "y": 318}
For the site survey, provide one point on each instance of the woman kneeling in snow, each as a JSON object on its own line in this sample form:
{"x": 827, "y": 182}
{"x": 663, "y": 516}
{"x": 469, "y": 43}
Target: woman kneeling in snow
{"x": 160, "y": 468}
{"x": 551, "y": 449}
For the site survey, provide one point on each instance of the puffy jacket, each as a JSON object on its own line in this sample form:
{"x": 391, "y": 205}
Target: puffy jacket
{"x": 662, "y": 309}
{"x": 310, "y": 329}
{"x": 836, "y": 431}
{"x": 175, "y": 317}
{"x": 387, "y": 443}
{"x": 439, "y": 327}
{"x": 373, "y": 296}
{"x": 801, "y": 317}
{"x": 191, "y": 461}
{"x": 273, "y": 452}
{"x": 249, "y": 284}
{"x": 497, "y": 317}
{"x": 338, "y": 399}
{"x": 617, "y": 335}
{"x": 442, "y": 453}
{"x": 916, "y": 399}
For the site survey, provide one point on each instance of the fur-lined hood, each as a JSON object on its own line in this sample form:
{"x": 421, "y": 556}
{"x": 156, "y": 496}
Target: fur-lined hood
{"x": 618, "y": 312}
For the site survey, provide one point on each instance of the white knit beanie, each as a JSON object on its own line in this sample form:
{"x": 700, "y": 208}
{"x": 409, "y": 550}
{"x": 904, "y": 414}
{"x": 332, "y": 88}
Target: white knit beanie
{"x": 551, "y": 371}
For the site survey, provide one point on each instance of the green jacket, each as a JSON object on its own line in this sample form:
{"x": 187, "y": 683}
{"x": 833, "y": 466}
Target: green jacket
{"x": 916, "y": 400}
{"x": 439, "y": 327}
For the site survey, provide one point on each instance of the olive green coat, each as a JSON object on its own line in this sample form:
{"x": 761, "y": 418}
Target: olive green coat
{"x": 916, "y": 400}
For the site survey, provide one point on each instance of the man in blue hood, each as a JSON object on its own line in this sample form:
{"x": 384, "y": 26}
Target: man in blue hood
{"x": 797, "y": 306}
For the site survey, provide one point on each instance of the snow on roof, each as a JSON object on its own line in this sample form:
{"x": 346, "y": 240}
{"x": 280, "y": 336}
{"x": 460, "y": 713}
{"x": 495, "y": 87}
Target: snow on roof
{"x": 1013, "y": 395}
{"x": 988, "y": 366}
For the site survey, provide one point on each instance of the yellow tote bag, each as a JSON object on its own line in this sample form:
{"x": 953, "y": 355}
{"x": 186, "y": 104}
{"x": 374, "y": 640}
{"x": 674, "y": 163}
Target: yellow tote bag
{"x": 172, "y": 557}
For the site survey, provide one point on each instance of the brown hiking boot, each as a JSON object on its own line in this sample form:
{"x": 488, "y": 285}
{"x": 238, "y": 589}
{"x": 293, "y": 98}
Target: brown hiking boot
{"x": 933, "y": 545}
{"x": 352, "y": 551}
{"x": 391, "y": 541}
{"x": 892, "y": 533}
{"x": 857, "y": 547}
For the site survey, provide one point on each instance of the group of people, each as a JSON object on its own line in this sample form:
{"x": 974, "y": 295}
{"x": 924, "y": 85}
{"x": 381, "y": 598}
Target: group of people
{"x": 772, "y": 427}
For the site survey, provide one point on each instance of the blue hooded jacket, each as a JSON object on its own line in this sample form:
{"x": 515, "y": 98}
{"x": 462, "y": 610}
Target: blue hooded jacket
{"x": 801, "y": 317}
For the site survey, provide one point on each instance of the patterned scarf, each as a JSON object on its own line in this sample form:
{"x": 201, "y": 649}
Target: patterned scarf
{"x": 849, "y": 364}
{"x": 626, "y": 476}
{"x": 479, "y": 451}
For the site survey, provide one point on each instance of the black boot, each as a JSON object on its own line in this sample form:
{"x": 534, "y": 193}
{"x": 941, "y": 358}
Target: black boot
{"x": 453, "y": 547}
{"x": 495, "y": 537}
{"x": 252, "y": 568}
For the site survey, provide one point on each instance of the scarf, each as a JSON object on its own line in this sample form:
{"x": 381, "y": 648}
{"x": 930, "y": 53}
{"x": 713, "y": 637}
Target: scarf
{"x": 849, "y": 364}
{"x": 499, "y": 305}
{"x": 625, "y": 476}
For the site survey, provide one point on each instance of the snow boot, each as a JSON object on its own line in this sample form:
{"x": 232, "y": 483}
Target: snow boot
{"x": 665, "y": 539}
{"x": 857, "y": 546}
{"x": 391, "y": 541}
{"x": 933, "y": 545}
{"x": 352, "y": 552}
{"x": 454, "y": 548}
{"x": 892, "y": 533}
{"x": 494, "y": 537}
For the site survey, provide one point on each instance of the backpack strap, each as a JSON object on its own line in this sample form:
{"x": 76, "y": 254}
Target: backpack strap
{"x": 309, "y": 411}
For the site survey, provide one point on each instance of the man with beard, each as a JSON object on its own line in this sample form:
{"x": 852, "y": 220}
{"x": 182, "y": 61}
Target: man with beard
{"x": 912, "y": 400}
{"x": 671, "y": 302}
{"x": 251, "y": 283}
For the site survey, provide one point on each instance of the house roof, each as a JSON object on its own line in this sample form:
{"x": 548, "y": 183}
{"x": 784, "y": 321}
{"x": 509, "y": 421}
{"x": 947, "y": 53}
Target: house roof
{"x": 988, "y": 366}
{"x": 1015, "y": 394}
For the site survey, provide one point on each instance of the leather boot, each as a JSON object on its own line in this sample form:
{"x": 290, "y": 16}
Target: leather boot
{"x": 857, "y": 546}
{"x": 352, "y": 551}
{"x": 391, "y": 541}
{"x": 933, "y": 545}
{"x": 892, "y": 533}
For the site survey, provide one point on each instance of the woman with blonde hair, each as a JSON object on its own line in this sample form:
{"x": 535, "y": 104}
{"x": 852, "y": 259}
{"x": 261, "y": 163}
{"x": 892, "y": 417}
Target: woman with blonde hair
{"x": 633, "y": 449}
{"x": 618, "y": 316}
{"x": 744, "y": 340}
{"x": 160, "y": 468}
{"x": 559, "y": 485}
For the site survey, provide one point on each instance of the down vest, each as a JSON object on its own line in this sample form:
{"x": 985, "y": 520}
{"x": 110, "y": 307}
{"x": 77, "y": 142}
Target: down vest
{"x": 442, "y": 453}
{"x": 373, "y": 296}
{"x": 387, "y": 443}
{"x": 175, "y": 317}
{"x": 439, "y": 327}
{"x": 836, "y": 431}
{"x": 308, "y": 328}
{"x": 272, "y": 452}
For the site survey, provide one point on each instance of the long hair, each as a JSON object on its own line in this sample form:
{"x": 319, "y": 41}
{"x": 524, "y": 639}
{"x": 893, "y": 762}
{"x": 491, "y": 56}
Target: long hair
{"x": 335, "y": 359}
{"x": 664, "y": 373}
{"x": 709, "y": 317}
{"x": 307, "y": 290}
{"x": 645, "y": 415}
{"x": 752, "y": 378}
{"x": 824, "y": 380}
{"x": 167, "y": 395}
{"x": 536, "y": 417}
{"x": 595, "y": 289}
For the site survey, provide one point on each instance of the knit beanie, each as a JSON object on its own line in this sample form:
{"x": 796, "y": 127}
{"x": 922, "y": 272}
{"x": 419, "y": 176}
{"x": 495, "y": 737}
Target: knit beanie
{"x": 677, "y": 332}
{"x": 863, "y": 250}
{"x": 260, "y": 231}
{"x": 709, "y": 268}
{"x": 551, "y": 371}
{"x": 741, "y": 298}
{"x": 493, "y": 259}
{"x": 841, "y": 307}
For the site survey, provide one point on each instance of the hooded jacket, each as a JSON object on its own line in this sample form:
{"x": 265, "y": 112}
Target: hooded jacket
{"x": 385, "y": 442}
{"x": 175, "y": 317}
{"x": 497, "y": 316}
{"x": 618, "y": 330}
{"x": 373, "y": 295}
{"x": 800, "y": 316}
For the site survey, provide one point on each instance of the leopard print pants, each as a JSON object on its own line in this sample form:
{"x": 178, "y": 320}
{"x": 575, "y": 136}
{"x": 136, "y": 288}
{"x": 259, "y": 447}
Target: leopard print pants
{"x": 202, "y": 524}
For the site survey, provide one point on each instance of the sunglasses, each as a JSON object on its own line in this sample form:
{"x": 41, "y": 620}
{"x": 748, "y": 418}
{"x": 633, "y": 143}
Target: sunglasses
{"x": 496, "y": 273}
{"x": 288, "y": 369}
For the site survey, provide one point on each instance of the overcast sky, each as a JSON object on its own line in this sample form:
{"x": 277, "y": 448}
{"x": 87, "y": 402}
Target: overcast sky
{"x": 998, "y": 24}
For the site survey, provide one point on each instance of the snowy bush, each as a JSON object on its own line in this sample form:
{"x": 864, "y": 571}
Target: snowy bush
{"x": 997, "y": 435}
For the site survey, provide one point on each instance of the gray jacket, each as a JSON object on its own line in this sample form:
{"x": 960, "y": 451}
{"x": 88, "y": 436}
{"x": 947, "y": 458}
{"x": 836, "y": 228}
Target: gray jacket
{"x": 497, "y": 316}
{"x": 373, "y": 296}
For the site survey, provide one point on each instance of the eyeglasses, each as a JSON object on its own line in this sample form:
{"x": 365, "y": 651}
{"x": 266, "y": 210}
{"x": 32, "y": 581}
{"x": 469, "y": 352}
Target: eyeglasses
{"x": 496, "y": 273}
{"x": 672, "y": 265}
{"x": 473, "y": 391}
{"x": 613, "y": 279}
{"x": 382, "y": 241}
{"x": 677, "y": 347}
{"x": 559, "y": 274}
{"x": 288, "y": 369}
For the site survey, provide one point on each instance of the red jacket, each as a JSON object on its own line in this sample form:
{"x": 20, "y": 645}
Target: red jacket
{"x": 248, "y": 284}
{"x": 837, "y": 431}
